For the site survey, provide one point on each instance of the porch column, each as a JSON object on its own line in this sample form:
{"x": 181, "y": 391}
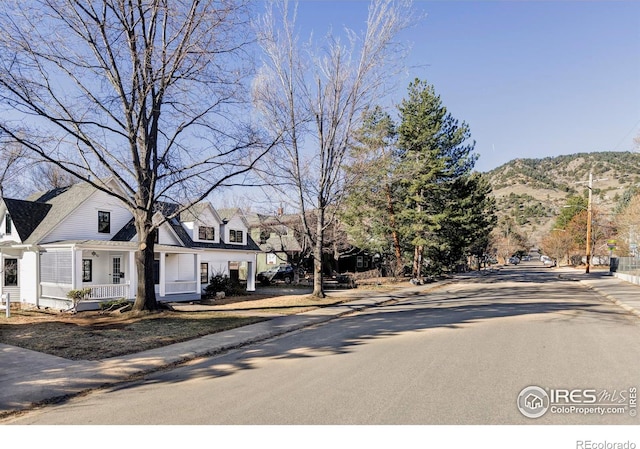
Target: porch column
{"x": 76, "y": 268}
{"x": 251, "y": 276}
{"x": 163, "y": 287}
{"x": 197, "y": 261}
{"x": 133, "y": 275}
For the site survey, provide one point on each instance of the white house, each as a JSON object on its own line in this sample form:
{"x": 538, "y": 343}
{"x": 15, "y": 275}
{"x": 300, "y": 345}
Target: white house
{"x": 80, "y": 237}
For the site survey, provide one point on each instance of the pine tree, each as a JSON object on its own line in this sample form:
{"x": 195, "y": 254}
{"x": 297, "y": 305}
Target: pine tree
{"x": 370, "y": 211}
{"x": 435, "y": 153}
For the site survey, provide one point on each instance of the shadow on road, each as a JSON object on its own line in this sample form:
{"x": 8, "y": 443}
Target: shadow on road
{"x": 509, "y": 293}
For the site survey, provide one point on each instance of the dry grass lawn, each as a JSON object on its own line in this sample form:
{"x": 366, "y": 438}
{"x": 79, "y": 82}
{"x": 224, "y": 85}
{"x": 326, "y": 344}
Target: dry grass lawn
{"x": 99, "y": 335}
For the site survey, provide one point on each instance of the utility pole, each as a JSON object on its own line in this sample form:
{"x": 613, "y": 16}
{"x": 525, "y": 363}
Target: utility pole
{"x": 589, "y": 214}
{"x": 589, "y": 222}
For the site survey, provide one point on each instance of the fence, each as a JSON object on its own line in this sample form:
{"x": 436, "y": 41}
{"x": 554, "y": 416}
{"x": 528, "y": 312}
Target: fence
{"x": 628, "y": 269}
{"x": 629, "y": 265}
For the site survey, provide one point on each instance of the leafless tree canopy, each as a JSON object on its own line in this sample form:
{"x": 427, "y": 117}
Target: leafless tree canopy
{"x": 147, "y": 91}
{"x": 13, "y": 161}
{"x": 314, "y": 95}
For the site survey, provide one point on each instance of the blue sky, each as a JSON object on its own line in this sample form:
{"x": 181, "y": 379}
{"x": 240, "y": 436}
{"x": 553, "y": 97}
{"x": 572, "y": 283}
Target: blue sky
{"x": 531, "y": 78}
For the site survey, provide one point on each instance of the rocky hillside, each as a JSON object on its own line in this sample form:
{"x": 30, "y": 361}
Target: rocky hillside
{"x": 532, "y": 191}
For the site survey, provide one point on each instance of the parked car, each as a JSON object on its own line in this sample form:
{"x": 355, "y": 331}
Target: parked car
{"x": 547, "y": 261}
{"x": 514, "y": 260}
{"x": 281, "y": 273}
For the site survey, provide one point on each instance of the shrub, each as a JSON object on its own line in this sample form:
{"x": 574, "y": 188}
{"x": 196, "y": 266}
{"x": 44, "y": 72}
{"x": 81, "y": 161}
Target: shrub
{"x": 223, "y": 283}
{"x": 78, "y": 295}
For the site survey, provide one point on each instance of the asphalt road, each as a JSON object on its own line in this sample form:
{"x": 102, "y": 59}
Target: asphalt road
{"x": 458, "y": 355}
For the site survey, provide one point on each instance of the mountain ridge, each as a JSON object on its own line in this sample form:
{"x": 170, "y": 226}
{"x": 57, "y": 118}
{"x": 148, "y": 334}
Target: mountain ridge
{"x": 532, "y": 191}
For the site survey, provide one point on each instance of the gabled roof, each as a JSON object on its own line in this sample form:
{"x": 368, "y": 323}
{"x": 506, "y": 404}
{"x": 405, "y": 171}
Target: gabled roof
{"x": 287, "y": 243}
{"x": 26, "y": 215}
{"x": 34, "y": 218}
{"x": 129, "y": 231}
{"x": 63, "y": 202}
{"x": 195, "y": 211}
{"x": 228, "y": 214}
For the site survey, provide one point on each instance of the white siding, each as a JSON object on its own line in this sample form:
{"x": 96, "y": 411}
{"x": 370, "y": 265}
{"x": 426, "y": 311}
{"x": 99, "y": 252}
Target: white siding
{"x": 236, "y": 224}
{"x": 166, "y": 236}
{"x": 218, "y": 260}
{"x": 3, "y": 227}
{"x": 206, "y": 218}
{"x": 181, "y": 267}
{"x": 82, "y": 224}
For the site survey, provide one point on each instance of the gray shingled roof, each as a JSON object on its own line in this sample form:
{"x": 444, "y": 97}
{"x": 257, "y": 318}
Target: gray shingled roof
{"x": 34, "y": 218}
{"x": 25, "y": 215}
{"x": 63, "y": 202}
{"x": 129, "y": 230}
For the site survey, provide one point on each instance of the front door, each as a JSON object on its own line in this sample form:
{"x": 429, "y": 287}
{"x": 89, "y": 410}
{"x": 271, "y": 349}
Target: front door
{"x": 116, "y": 268}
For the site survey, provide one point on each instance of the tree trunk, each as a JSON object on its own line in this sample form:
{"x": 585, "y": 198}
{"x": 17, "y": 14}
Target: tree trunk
{"x": 394, "y": 229}
{"x": 318, "y": 290}
{"x": 145, "y": 294}
{"x": 417, "y": 261}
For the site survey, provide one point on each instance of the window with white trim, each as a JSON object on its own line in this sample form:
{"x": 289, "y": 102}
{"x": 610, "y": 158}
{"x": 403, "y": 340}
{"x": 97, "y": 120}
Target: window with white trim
{"x": 10, "y": 272}
{"x": 87, "y": 268}
{"x": 206, "y": 233}
{"x": 204, "y": 273}
{"x": 104, "y": 222}
{"x": 236, "y": 236}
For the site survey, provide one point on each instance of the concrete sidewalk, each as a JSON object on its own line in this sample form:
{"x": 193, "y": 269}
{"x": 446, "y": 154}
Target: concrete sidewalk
{"x": 621, "y": 293}
{"x": 29, "y": 378}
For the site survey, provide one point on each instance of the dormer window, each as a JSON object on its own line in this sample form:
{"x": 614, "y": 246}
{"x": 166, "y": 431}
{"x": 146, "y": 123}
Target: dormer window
{"x": 206, "y": 233}
{"x": 104, "y": 222}
{"x": 8, "y": 225}
{"x": 236, "y": 236}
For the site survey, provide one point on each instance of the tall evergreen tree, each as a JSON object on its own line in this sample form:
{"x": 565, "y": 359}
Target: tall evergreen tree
{"x": 371, "y": 206}
{"x": 435, "y": 152}
{"x": 468, "y": 211}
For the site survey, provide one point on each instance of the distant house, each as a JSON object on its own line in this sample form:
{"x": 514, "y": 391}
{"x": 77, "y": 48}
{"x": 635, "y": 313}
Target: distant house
{"x": 282, "y": 241}
{"x": 277, "y": 236}
{"x": 81, "y": 237}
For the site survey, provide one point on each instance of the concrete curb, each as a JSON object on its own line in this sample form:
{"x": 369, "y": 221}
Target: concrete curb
{"x": 612, "y": 299}
{"x": 573, "y": 277}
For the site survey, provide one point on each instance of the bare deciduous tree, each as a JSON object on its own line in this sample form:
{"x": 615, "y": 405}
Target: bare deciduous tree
{"x": 12, "y": 162}
{"x": 314, "y": 96}
{"x": 146, "y": 92}
{"x": 46, "y": 176}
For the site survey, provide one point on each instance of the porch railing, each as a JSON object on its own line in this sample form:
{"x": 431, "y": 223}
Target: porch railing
{"x": 105, "y": 291}
{"x": 114, "y": 291}
{"x": 109, "y": 291}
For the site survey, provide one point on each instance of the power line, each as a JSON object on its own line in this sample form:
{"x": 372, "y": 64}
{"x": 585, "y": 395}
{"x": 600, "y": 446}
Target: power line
{"x": 626, "y": 135}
